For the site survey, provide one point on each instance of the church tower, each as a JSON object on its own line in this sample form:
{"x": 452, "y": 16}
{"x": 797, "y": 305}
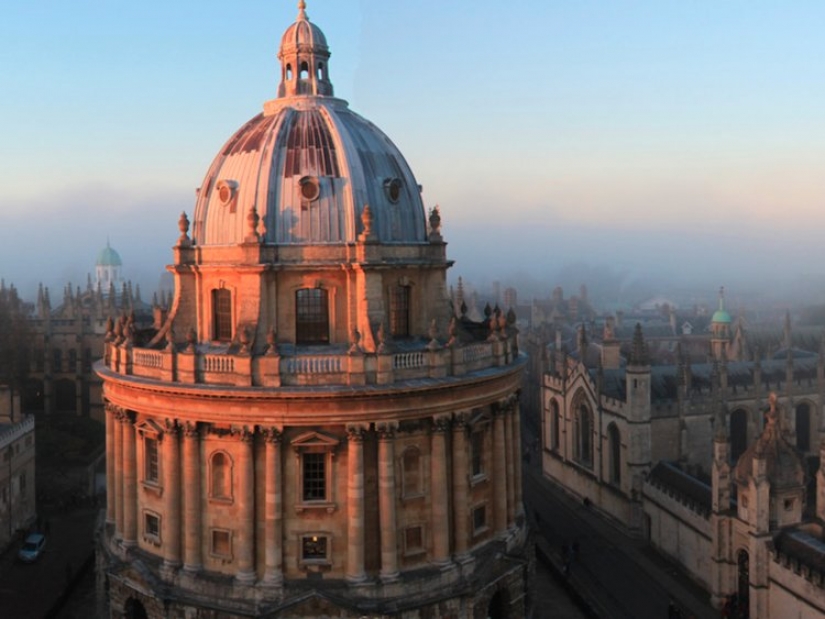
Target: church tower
{"x": 720, "y": 326}
{"x": 312, "y": 431}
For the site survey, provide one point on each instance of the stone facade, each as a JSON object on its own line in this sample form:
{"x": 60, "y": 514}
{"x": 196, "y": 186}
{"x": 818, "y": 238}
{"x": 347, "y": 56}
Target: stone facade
{"x": 17, "y": 468}
{"x": 311, "y": 431}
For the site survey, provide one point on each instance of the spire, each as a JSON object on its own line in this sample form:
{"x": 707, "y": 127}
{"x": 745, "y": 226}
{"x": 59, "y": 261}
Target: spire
{"x": 638, "y": 349}
{"x": 721, "y": 298}
{"x": 302, "y": 11}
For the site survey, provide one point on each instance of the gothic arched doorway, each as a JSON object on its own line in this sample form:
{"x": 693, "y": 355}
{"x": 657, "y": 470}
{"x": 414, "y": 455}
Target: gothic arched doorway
{"x": 497, "y": 609}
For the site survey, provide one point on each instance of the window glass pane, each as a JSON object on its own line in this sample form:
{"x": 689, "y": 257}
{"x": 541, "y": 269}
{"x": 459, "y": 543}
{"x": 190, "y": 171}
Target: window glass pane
{"x": 311, "y": 316}
{"x": 314, "y": 547}
{"x": 315, "y": 478}
{"x": 400, "y": 311}
{"x": 151, "y": 459}
{"x": 222, "y": 309}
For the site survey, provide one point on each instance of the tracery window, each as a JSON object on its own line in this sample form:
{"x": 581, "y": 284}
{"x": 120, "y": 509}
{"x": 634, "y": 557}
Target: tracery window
{"x": 584, "y": 435}
{"x": 615, "y": 454}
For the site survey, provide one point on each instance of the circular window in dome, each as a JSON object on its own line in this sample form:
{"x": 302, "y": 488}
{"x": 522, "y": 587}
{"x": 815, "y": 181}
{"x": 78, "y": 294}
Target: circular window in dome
{"x": 392, "y": 187}
{"x": 310, "y": 188}
{"x": 226, "y": 191}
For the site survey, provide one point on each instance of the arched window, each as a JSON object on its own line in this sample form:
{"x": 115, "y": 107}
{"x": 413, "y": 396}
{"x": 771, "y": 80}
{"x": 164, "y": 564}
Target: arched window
{"x": 738, "y": 433}
{"x": 803, "y": 427}
{"x": 743, "y": 578}
{"x": 220, "y": 476}
{"x": 320, "y": 72}
{"x": 304, "y": 71}
{"x": 411, "y": 468}
{"x": 584, "y": 435}
{"x": 614, "y": 442}
{"x": 289, "y": 72}
{"x": 222, "y": 314}
{"x": 311, "y": 316}
{"x": 555, "y": 416}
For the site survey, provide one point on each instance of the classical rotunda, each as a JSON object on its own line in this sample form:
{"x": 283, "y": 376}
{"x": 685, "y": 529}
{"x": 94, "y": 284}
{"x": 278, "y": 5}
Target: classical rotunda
{"x": 310, "y": 430}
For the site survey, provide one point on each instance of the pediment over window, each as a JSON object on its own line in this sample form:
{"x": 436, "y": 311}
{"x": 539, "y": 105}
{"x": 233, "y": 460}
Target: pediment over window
{"x": 315, "y": 441}
{"x": 150, "y": 427}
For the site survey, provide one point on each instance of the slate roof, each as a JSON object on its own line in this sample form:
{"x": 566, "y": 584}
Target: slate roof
{"x": 691, "y": 491}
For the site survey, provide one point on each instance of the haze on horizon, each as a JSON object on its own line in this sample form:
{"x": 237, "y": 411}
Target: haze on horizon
{"x": 678, "y": 144}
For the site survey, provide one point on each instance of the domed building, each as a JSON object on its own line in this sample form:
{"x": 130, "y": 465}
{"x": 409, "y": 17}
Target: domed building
{"x": 311, "y": 431}
{"x": 108, "y": 269}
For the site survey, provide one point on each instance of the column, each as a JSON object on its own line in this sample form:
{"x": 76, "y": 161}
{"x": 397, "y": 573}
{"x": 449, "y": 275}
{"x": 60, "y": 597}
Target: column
{"x": 499, "y": 472}
{"x": 509, "y": 464}
{"x": 439, "y": 492}
{"x": 460, "y": 486}
{"x": 246, "y": 505}
{"x": 111, "y": 423}
{"x": 273, "y": 516}
{"x": 355, "y": 505}
{"x": 192, "y": 498}
{"x": 519, "y": 497}
{"x": 117, "y": 497}
{"x": 171, "y": 496}
{"x": 386, "y": 503}
{"x": 129, "y": 482}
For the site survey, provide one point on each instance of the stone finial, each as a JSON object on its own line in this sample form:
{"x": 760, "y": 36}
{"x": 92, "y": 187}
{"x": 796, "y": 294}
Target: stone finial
{"x": 452, "y": 330}
{"x": 243, "y": 336}
{"x": 433, "y": 333}
{"x": 355, "y": 341}
{"x": 252, "y": 220}
{"x": 302, "y": 11}
{"x": 367, "y": 220}
{"x": 381, "y": 335}
{"x": 435, "y": 225}
{"x": 191, "y": 340}
{"x": 271, "y": 342}
{"x": 183, "y": 226}
{"x": 170, "y": 338}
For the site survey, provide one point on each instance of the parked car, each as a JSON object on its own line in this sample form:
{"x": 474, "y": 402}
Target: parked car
{"x": 32, "y": 548}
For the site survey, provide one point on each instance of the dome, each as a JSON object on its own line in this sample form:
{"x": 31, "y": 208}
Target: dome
{"x": 783, "y": 465}
{"x": 108, "y": 257}
{"x": 721, "y": 315}
{"x": 308, "y": 165}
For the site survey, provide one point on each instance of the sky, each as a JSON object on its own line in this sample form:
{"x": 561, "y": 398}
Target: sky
{"x": 660, "y": 141}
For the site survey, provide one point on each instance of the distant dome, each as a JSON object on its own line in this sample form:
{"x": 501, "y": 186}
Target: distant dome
{"x": 308, "y": 165}
{"x": 108, "y": 257}
{"x": 720, "y": 315}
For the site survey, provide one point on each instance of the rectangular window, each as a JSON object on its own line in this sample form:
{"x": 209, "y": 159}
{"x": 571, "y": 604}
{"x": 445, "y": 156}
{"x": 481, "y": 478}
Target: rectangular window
{"x": 413, "y": 540}
{"x": 22, "y": 484}
{"x": 151, "y": 527}
{"x": 311, "y": 316}
{"x": 315, "y": 477}
{"x": 479, "y": 518}
{"x": 72, "y": 359}
{"x": 57, "y": 359}
{"x": 477, "y": 452}
{"x": 222, "y": 314}
{"x": 221, "y": 543}
{"x": 314, "y": 548}
{"x": 150, "y": 459}
{"x": 87, "y": 359}
{"x": 400, "y": 311}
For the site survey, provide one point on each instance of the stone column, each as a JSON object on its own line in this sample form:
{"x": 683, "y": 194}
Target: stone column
{"x": 246, "y": 508}
{"x": 111, "y": 424}
{"x": 460, "y": 486}
{"x": 355, "y": 505}
{"x": 192, "y": 498}
{"x": 499, "y": 472}
{"x": 273, "y": 510}
{"x": 439, "y": 492}
{"x": 129, "y": 482}
{"x": 517, "y": 473}
{"x": 386, "y": 503}
{"x": 171, "y": 497}
{"x": 117, "y": 497}
{"x": 509, "y": 464}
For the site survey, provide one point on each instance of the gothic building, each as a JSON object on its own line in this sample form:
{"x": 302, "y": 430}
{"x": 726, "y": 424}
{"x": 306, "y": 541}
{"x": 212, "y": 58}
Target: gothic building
{"x": 312, "y": 431}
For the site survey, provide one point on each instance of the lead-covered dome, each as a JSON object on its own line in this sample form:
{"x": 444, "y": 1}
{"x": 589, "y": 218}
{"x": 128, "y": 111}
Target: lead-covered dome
{"x": 308, "y": 165}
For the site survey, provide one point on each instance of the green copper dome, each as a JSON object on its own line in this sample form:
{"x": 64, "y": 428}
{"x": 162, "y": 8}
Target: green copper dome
{"x": 108, "y": 257}
{"x": 721, "y": 315}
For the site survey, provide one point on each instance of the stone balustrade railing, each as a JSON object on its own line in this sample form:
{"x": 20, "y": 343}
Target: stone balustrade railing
{"x": 272, "y": 369}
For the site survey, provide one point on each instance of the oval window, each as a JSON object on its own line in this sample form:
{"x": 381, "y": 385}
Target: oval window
{"x": 392, "y": 187}
{"x": 310, "y": 188}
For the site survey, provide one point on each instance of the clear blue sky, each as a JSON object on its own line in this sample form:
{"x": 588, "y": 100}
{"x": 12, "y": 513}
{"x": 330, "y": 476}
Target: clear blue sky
{"x": 689, "y": 133}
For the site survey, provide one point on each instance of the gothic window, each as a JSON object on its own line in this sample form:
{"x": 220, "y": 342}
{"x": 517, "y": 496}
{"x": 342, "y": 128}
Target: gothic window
{"x": 222, "y": 314}
{"x": 584, "y": 435}
{"x": 411, "y": 482}
{"x": 615, "y": 454}
{"x": 220, "y": 476}
{"x": 738, "y": 433}
{"x": 803, "y": 427}
{"x": 555, "y": 426}
{"x": 150, "y": 460}
{"x": 400, "y": 311}
{"x": 311, "y": 316}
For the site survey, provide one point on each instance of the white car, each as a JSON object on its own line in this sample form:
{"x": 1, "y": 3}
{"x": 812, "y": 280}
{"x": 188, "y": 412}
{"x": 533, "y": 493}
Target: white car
{"x": 32, "y": 548}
